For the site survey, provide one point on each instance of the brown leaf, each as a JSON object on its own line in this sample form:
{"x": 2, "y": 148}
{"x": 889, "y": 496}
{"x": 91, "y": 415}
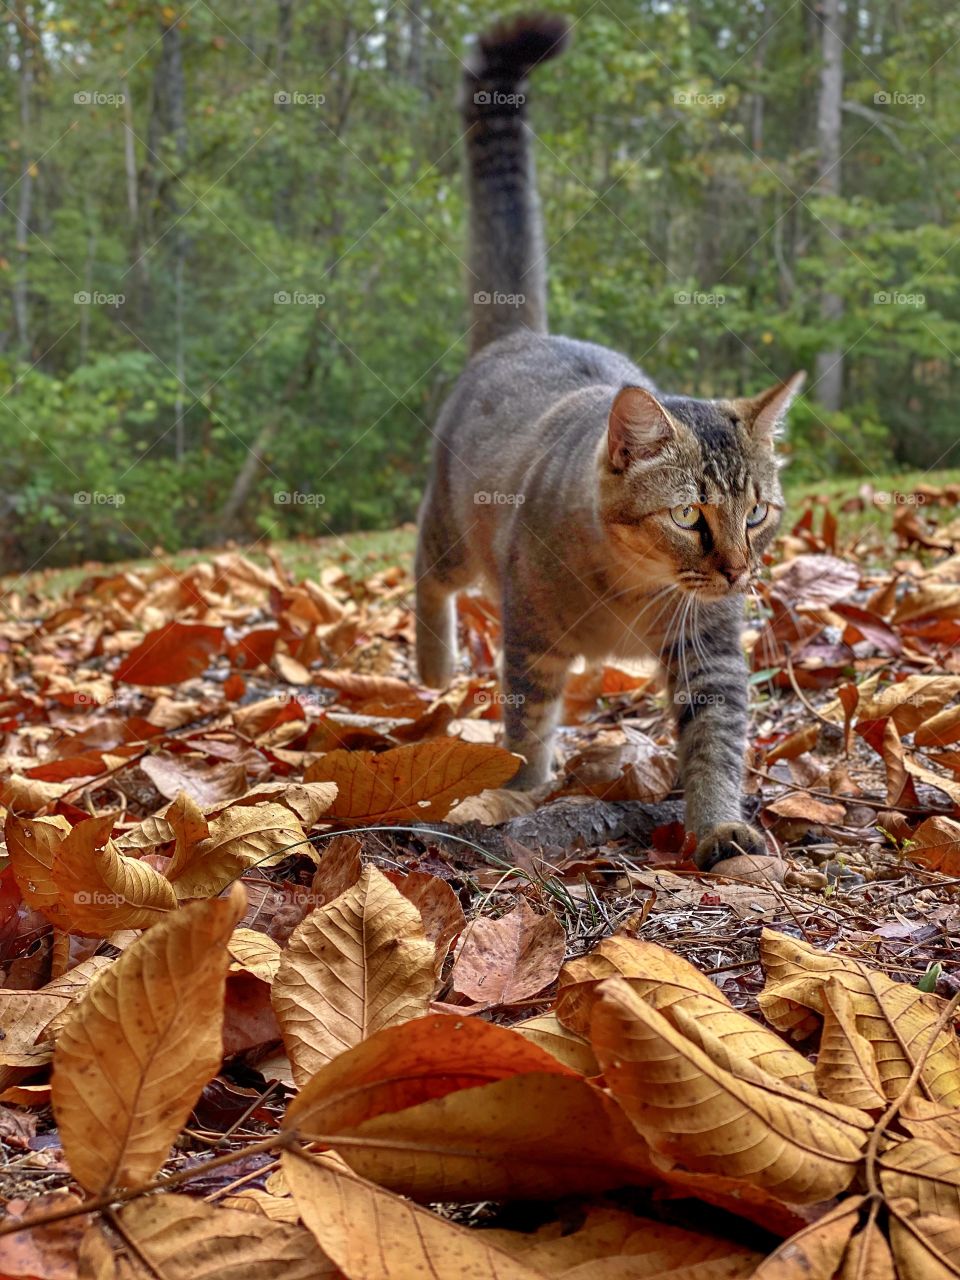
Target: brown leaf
{"x": 940, "y": 730}
{"x": 240, "y": 837}
{"x": 636, "y": 770}
{"x": 814, "y": 582}
{"x": 910, "y": 702}
{"x": 439, "y": 908}
{"x": 846, "y": 1068}
{"x": 795, "y": 744}
{"x": 255, "y": 953}
{"x": 936, "y": 844}
{"x": 924, "y": 1247}
{"x": 895, "y": 1018}
{"x": 32, "y": 845}
{"x": 565, "y": 1045}
{"x": 131, "y": 1061}
{"x": 339, "y": 868}
{"x": 667, "y": 982}
{"x": 799, "y": 804}
{"x": 181, "y": 1238}
{"x": 99, "y": 890}
{"x": 817, "y": 1251}
{"x": 737, "y": 1119}
{"x": 350, "y": 968}
{"x": 417, "y": 783}
{"x": 477, "y": 1105}
{"x": 178, "y": 651}
{"x": 373, "y": 1235}
{"x": 208, "y": 784}
{"x": 508, "y": 959}
{"x": 48, "y": 1254}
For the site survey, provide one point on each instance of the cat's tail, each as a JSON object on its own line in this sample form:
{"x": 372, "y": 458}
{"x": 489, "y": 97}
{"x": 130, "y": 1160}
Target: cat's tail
{"x": 507, "y": 280}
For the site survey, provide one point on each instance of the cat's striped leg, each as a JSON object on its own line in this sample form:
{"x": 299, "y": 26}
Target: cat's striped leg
{"x": 708, "y": 686}
{"x": 532, "y": 692}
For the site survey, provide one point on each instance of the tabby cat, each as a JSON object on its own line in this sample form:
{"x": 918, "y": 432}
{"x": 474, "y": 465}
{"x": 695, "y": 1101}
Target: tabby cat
{"x": 606, "y": 517}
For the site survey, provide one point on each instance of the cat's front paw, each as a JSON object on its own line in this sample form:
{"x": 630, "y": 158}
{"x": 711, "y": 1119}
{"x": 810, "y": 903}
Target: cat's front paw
{"x": 728, "y": 840}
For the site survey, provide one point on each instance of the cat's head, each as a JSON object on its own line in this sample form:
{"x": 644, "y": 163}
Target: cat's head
{"x": 690, "y": 489}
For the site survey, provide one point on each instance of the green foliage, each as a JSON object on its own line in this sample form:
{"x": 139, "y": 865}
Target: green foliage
{"x": 677, "y": 156}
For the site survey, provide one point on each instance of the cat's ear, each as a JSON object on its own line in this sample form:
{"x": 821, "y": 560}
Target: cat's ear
{"x": 764, "y": 413}
{"x": 638, "y": 427}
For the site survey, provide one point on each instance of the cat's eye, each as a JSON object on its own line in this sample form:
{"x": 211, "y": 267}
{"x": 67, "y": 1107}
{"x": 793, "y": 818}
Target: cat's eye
{"x": 757, "y": 515}
{"x": 685, "y": 517}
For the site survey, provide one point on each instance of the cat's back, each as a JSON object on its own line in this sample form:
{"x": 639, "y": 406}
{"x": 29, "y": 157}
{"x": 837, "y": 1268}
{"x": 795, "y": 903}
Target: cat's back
{"x": 506, "y": 397}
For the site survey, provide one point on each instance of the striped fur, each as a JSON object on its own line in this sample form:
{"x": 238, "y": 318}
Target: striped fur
{"x": 555, "y": 469}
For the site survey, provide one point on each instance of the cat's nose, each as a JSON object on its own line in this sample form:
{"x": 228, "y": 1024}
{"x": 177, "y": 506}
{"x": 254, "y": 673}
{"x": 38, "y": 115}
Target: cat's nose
{"x": 733, "y": 572}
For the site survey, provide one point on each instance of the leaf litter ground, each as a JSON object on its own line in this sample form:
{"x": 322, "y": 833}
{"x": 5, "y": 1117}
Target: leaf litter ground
{"x": 267, "y": 902}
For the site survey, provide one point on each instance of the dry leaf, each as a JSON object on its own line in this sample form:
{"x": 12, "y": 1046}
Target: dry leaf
{"x": 240, "y": 837}
{"x": 179, "y": 651}
{"x": 816, "y": 1251}
{"x": 255, "y": 953}
{"x": 896, "y": 1019}
{"x": 508, "y": 959}
{"x": 710, "y": 1112}
{"x": 936, "y": 844}
{"x": 846, "y": 1067}
{"x": 665, "y": 981}
{"x": 358, "y": 964}
{"x": 477, "y": 1107}
{"x": 181, "y": 1238}
{"x": 208, "y": 784}
{"x": 373, "y": 1235}
{"x": 417, "y": 783}
{"x": 565, "y": 1045}
{"x": 439, "y": 908}
{"x": 131, "y": 1061}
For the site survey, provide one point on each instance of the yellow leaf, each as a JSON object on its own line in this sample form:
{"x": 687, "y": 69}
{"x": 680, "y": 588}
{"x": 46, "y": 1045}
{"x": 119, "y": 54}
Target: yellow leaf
{"x": 131, "y": 1061}
{"x": 181, "y": 1238}
{"x": 816, "y": 1252}
{"x": 925, "y": 1173}
{"x": 924, "y": 1247}
{"x": 254, "y": 952}
{"x": 910, "y": 702}
{"x": 868, "y": 1256}
{"x": 373, "y": 1235}
{"x": 359, "y": 963}
{"x": 701, "y": 1107}
{"x": 846, "y": 1068}
{"x": 99, "y": 890}
{"x": 566, "y": 1046}
{"x": 239, "y": 837}
{"x": 32, "y": 844}
{"x": 666, "y": 981}
{"x": 895, "y": 1018}
{"x": 615, "y": 1244}
{"x": 418, "y": 783}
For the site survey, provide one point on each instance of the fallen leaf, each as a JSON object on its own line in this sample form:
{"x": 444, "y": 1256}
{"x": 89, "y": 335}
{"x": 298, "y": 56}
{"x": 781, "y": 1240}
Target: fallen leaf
{"x": 350, "y": 968}
{"x": 416, "y": 783}
{"x": 373, "y": 1235}
{"x": 132, "y": 1059}
{"x": 178, "y": 651}
{"x": 508, "y": 959}
{"x": 712, "y": 1112}
{"x": 439, "y": 907}
{"x": 936, "y": 844}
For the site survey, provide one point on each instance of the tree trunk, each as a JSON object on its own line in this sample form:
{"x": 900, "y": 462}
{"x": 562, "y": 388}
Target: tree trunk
{"x": 828, "y": 372}
{"x": 21, "y": 305}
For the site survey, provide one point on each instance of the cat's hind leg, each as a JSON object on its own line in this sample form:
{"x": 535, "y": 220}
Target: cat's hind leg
{"x": 442, "y": 568}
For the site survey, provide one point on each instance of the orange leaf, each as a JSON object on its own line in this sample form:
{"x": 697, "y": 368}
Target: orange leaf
{"x": 178, "y": 651}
